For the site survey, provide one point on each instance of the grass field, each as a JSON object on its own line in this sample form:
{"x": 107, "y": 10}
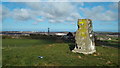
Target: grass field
{"x": 25, "y": 52}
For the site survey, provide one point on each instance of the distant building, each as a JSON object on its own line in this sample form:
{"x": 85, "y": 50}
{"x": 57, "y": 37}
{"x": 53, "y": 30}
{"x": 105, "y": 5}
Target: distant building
{"x": 60, "y": 34}
{"x": 109, "y": 39}
{"x": 105, "y": 38}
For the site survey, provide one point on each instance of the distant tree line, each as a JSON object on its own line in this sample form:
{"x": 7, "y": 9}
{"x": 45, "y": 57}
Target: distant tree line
{"x": 32, "y": 36}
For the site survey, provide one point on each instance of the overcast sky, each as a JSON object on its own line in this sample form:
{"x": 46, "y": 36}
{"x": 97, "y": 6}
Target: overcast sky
{"x": 58, "y": 16}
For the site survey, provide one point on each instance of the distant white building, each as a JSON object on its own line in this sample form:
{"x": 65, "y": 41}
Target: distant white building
{"x": 109, "y": 39}
{"x": 60, "y": 34}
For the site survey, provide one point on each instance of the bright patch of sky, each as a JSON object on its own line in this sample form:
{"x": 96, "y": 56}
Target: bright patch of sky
{"x": 58, "y": 16}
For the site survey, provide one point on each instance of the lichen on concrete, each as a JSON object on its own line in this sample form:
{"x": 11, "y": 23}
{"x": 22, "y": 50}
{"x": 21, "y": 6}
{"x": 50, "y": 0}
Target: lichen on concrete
{"x": 84, "y": 37}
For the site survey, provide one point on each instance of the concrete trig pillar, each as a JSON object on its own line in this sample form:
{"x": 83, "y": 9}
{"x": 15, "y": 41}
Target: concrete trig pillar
{"x": 84, "y": 37}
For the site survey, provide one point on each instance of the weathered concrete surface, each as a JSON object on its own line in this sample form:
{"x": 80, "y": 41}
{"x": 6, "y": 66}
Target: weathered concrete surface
{"x": 84, "y": 37}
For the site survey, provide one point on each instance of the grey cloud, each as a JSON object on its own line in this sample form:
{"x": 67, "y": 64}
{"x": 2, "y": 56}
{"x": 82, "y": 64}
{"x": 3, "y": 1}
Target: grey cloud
{"x": 99, "y": 13}
{"x": 73, "y": 17}
{"x": 5, "y": 12}
{"x": 0, "y": 13}
{"x": 52, "y": 11}
{"x": 55, "y": 12}
{"x": 52, "y": 21}
{"x": 56, "y": 20}
{"x": 39, "y": 20}
{"x": 21, "y": 14}
{"x": 114, "y": 6}
{"x": 69, "y": 19}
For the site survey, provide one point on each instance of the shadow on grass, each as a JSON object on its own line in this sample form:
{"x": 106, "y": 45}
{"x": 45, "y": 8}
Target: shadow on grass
{"x": 71, "y": 46}
{"x": 107, "y": 43}
{"x": 71, "y": 43}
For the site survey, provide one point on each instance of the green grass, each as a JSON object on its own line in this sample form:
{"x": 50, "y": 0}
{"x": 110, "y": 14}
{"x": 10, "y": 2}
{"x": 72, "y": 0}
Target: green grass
{"x": 25, "y": 52}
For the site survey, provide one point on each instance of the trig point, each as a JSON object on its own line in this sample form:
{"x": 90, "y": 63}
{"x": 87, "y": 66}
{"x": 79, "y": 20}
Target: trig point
{"x": 84, "y": 38}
